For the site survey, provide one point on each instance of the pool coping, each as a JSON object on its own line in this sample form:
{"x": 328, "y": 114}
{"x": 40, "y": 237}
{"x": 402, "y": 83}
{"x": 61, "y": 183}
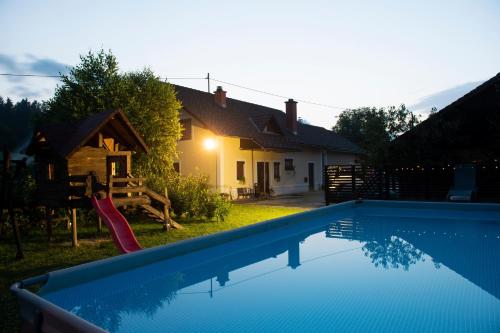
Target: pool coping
{"x": 36, "y": 311}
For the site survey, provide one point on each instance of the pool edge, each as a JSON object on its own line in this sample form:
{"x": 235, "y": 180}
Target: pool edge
{"x": 33, "y": 305}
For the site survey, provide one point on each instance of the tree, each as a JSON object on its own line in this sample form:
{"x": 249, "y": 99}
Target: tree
{"x": 96, "y": 85}
{"x": 373, "y": 129}
{"x": 433, "y": 112}
{"x": 16, "y": 122}
{"x": 153, "y": 110}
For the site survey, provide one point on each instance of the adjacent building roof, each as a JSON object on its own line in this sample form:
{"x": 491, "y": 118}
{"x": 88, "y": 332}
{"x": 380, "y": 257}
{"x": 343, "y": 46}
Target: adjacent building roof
{"x": 250, "y": 121}
{"x": 64, "y": 139}
{"x": 468, "y": 129}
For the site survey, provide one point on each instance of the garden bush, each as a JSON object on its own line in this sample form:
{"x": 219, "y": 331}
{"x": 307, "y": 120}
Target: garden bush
{"x": 192, "y": 197}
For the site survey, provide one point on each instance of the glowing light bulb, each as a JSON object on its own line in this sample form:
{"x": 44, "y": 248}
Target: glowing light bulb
{"x": 209, "y": 144}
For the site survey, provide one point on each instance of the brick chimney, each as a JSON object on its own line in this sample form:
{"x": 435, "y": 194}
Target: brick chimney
{"x": 291, "y": 115}
{"x": 220, "y": 97}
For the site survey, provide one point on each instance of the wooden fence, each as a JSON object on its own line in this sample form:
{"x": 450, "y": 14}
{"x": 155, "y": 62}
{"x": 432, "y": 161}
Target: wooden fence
{"x": 349, "y": 182}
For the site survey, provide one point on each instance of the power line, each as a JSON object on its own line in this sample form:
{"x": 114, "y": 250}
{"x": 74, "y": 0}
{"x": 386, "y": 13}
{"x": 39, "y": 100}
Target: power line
{"x": 60, "y": 76}
{"x": 281, "y": 96}
{"x": 28, "y": 75}
{"x": 184, "y": 78}
{"x": 166, "y": 79}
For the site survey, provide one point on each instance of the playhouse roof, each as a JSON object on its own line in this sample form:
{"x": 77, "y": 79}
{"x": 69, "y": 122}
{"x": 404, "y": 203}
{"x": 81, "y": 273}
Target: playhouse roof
{"x": 65, "y": 139}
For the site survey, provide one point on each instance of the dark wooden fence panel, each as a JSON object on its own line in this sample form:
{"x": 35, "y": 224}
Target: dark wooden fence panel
{"x": 488, "y": 181}
{"x": 348, "y": 182}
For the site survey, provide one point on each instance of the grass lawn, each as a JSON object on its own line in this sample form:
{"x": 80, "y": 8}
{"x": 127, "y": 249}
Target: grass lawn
{"x": 43, "y": 257}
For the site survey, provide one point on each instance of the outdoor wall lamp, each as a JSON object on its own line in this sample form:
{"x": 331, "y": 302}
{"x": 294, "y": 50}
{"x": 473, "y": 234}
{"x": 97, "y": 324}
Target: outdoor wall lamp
{"x": 209, "y": 144}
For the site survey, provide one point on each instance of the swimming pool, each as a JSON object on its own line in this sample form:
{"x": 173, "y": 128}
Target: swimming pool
{"x": 368, "y": 266}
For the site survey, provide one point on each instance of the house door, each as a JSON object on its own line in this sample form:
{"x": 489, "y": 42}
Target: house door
{"x": 263, "y": 177}
{"x": 310, "y": 167}
{"x": 116, "y": 166}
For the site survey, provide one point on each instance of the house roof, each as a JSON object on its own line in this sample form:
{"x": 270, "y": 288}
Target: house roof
{"x": 465, "y": 130}
{"x": 455, "y": 106}
{"x": 247, "y": 120}
{"x": 65, "y": 139}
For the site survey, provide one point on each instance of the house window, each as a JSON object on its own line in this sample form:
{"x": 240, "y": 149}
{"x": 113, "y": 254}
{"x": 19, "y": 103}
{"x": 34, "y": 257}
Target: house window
{"x": 177, "y": 167}
{"x": 109, "y": 144}
{"x": 50, "y": 171}
{"x": 289, "y": 164}
{"x": 186, "y": 129}
{"x": 240, "y": 171}
{"x": 276, "y": 166}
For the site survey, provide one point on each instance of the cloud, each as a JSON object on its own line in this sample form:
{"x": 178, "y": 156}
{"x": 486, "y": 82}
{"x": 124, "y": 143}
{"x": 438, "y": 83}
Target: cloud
{"x": 8, "y": 63}
{"x": 31, "y": 92}
{"x": 443, "y": 98}
{"x": 32, "y": 65}
{"x": 48, "y": 67}
{"x": 29, "y": 87}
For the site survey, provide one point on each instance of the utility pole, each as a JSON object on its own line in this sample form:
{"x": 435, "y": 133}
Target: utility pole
{"x": 208, "y": 82}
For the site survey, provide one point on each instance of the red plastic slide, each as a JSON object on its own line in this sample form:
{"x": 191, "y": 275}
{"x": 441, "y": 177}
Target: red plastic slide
{"x": 123, "y": 236}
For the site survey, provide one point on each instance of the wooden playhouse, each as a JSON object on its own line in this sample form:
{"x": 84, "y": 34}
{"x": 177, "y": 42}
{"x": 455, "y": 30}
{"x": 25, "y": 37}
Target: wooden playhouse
{"x": 75, "y": 161}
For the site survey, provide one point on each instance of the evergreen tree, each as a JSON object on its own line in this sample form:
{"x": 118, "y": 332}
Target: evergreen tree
{"x": 16, "y": 122}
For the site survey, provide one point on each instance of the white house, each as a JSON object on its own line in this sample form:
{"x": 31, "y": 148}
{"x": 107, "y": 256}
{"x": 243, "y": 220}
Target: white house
{"x": 242, "y": 145}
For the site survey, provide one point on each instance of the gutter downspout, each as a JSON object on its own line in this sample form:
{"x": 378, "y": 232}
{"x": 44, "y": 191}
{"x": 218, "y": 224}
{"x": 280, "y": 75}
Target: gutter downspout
{"x": 253, "y": 179}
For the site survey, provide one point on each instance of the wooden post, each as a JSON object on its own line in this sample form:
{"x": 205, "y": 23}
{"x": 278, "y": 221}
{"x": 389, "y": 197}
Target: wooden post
{"x": 110, "y": 186}
{"x": 74, "y": 238}
{"x": 3, "y": 191}
{"x": 89, "y": 184}
{"x": 48, "y": 215}
{"x": 325, "y": 185}
{"x": 9, "y": 201}
{"x": 99, "y": 224}
{"x": 68, "y": 220}
{"x": 2, "y": 223}
{"x": 2, "y": 205}
{"x": 353, "y": 182}
{"x": 166, "y": 218}
{"x": 15, "y": 227}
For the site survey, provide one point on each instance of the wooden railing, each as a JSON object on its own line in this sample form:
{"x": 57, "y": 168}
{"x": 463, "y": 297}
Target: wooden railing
{"x": 139, "y": 194}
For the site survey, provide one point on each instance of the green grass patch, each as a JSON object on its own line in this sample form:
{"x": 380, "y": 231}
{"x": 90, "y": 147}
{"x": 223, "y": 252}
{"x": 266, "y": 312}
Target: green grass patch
{"x": 42, "y": 257}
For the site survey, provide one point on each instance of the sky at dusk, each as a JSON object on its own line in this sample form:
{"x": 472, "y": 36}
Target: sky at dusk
{"x": 343, "y": 54}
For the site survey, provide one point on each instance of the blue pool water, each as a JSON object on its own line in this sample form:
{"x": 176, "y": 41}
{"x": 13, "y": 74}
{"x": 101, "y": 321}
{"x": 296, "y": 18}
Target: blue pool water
{"x": 362, "y": 270}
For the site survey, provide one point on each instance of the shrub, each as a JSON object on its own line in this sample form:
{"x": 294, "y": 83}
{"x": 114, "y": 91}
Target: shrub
{"x": 191, "y": 196}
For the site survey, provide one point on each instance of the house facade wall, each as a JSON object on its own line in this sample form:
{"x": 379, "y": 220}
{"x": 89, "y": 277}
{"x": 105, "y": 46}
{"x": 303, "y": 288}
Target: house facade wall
{"x": 194, "y": 158}
{"x": 289, "y": 181}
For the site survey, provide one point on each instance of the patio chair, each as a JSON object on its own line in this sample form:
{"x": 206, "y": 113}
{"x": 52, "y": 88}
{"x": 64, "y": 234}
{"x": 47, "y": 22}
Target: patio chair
{"x": 464, "y": 184}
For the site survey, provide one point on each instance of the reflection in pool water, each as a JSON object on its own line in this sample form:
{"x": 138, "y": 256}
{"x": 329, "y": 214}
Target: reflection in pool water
{"x": 359, "y": 273}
